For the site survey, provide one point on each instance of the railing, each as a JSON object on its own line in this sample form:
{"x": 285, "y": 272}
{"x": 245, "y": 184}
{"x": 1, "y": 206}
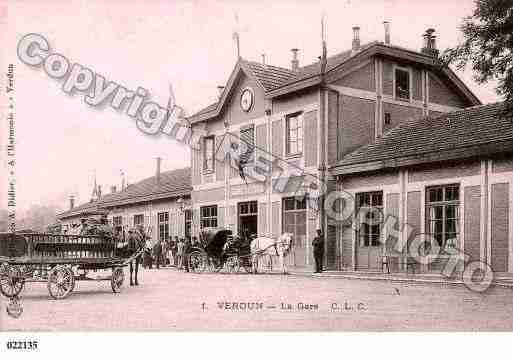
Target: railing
{"x": 63, "y": 246}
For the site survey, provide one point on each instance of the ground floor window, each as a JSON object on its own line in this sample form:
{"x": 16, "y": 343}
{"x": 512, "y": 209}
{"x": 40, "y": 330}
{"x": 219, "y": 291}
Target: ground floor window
{"x": 443, "y": 214}
{"x": 163, "y": 225}
{"x": 208, "y": 217}
{"x": 294, "y": 219}
{"x": 138, "y": 220}
{"x": 369, "y": 205}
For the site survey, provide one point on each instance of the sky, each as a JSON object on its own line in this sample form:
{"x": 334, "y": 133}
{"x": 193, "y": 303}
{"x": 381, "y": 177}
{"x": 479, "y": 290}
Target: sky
{"x": 62, "y": 143}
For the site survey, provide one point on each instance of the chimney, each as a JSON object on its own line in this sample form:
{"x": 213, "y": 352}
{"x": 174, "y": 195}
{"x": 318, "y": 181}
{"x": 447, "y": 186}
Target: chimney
{"x": 295, "y": 61}
{"x": 386, "y": 24}
{"x": 429, "y": 47}
{"x": 99, "y": 192}
{"x": 157, "y": 175}
{"x": 112, "y": 189}
{"x": 71, "y": 202}
{"x": 356, "y": 39}
{"x": 220, "y": 90}
{"x": 263, "y": 59}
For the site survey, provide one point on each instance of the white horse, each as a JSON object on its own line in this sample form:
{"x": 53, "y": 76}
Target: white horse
{"x": 280, "y": 247}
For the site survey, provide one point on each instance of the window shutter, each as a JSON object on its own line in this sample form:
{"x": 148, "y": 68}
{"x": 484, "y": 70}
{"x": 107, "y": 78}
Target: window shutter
{"x": 248, "y": 137}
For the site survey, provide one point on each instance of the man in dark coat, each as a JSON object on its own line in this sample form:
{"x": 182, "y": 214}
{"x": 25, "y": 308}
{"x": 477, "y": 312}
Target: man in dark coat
{"x": 157, "y": 252}
{"x": 134, "y": 245}
{"x": 318, "y": 250}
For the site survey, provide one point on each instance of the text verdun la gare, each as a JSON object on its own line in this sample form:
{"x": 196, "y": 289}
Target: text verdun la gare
{"x": 153, "y": 119}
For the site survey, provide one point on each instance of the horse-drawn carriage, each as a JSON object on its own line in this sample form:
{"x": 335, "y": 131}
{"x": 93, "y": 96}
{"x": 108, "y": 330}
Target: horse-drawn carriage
{"x": 60, "y": 260}
{"x": 221, "y": 250}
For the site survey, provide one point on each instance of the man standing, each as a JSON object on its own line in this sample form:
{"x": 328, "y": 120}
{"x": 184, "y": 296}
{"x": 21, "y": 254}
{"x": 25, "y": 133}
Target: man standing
{"x": 134, "y": 245}
{"x": 157, "y": 252}
{"x": 318, "y": 249}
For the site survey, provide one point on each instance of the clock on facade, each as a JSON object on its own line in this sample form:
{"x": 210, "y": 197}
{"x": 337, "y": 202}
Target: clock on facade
{"x": 247, "y": 99}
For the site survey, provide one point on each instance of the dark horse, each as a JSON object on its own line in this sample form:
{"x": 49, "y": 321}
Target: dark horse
{"x": 135, "y": 243}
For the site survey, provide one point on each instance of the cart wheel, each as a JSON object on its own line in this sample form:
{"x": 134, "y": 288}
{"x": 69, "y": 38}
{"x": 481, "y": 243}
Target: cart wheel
{"x": 11, "y": 280}
{"x": 116, "y": 281}
{"x": 232, "y": 264}
{"x": 197, "y": 262}
{"x": 215, "y": 265}
{"x": 61, "y": 282}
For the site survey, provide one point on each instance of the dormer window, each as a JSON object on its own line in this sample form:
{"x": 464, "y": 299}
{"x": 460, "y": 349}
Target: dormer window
{"x": 402, "y": 84}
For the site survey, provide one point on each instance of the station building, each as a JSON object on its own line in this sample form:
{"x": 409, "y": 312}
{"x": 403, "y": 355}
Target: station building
{"x": 305, "y": 120}
{"x": 161, "y": 204}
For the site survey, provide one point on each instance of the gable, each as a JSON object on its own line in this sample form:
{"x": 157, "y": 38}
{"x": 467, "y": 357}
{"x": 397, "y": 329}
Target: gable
{"x": 233, "y": 112}
{"x": 442, "y": 94}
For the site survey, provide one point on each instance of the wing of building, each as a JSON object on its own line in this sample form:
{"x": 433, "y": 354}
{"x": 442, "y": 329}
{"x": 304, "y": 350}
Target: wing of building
{"x": 161, "y": 204}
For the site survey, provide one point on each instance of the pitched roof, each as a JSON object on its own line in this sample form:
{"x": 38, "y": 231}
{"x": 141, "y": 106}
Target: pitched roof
{"x": 475, "y": 131}
{"x": 277, "y": 81}
{"x": 174, "y": 183}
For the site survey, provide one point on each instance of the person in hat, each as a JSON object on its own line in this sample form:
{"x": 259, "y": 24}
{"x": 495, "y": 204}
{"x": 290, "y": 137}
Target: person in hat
{"x": 318, "y": 250}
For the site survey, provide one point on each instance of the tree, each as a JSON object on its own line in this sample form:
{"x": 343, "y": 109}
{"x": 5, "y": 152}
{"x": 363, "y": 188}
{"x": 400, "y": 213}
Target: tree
{"x": 488, "y": 45}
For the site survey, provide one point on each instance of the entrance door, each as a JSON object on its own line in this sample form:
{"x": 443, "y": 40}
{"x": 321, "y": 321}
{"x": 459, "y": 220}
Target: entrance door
{"x": 248, "y": 218}
{"x": 368, "y": 246}
{"x": 294, "y": 221}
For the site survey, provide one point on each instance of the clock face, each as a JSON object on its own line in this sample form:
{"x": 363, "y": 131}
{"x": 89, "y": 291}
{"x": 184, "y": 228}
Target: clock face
{"x": 246, "y": 99}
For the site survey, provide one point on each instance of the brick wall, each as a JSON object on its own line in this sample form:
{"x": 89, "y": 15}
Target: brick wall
{"x": 208, "y": 195}
{"x": 220, "y": 216}
{"x": 262, "y": 219}
{"x": 196, "y": 166}
{"x": 295, "y": 101}
{"x": 277, "y": 139}
{"x": 362, "y": 79}
{"x": 357, "y": 123}
{"x": 413, "y": 213}
{"x": 219, "y": 165}
{"x": 441, "y": 94}
{"x": 502, "y": 165}
{"x": 443, "y": 170}
{"x": 500, "y": 230}
{"x": 371, "y": 179}
{"x": 399, "y": 114}
{"x": 472, "y": 218}
{"x": 310, "y": 138}
{"x": 276, "y": 230}
{"x": 333, "y": 127}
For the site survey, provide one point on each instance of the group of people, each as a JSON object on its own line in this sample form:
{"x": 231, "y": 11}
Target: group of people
{"x": 169, "y": 252}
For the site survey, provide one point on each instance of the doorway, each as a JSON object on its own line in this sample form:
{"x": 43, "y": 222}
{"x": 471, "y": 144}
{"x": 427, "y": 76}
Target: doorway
{"x": 248, "y": 218}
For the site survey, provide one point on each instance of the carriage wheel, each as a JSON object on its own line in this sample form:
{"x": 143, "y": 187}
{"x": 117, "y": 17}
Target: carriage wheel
{"x": 232, "y": 264}
{"x": 61, "y": 282}
{"x": 11, "y": 281}
{"x": 245, "y": 262}
{"x": 117, "y": 279}
{"x": 215, "y": 265}
{"x": 197, "y": 262}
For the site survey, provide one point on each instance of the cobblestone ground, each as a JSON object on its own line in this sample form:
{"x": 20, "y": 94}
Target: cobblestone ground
{"x": 171, "y": 300}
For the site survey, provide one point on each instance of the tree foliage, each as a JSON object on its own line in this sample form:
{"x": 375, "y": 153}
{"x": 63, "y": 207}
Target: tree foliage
{"x": 488, "y": 45}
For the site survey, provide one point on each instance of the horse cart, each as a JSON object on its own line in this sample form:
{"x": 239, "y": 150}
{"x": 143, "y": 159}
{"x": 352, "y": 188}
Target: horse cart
{"x": 59, "y": 261}
{"x": 224, "y": 251}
